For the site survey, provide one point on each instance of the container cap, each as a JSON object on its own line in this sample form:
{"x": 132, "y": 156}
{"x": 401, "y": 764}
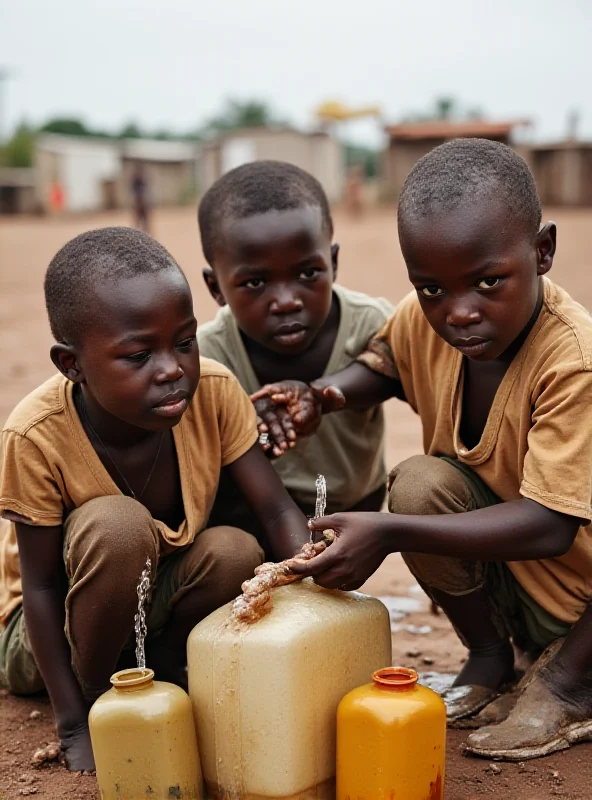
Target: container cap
{"x": 395, "y": 678}
{"x": 132, "y": 679}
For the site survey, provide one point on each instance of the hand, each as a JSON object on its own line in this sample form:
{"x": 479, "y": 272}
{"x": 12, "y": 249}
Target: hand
{"x": 77, "y": 749}
{"x": 305, "y": 404}
{"x": 277, "y": 423}
{"x": 360, "y": 547}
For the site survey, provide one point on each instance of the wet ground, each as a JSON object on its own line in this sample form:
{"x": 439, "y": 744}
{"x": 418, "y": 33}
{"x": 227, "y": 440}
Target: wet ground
{"x": 370, "y": 261}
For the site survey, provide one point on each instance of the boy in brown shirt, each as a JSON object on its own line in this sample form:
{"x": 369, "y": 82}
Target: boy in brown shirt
{"x": 116, "y": 460}
{"x": 497, "y": 361}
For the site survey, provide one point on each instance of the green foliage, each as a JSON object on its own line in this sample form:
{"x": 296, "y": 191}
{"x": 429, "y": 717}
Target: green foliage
{"x": 365, "y": 157}
{"x": 20, "y": 149}
{"x": 131, "y": 131}
{"x": 239, "y": 114}
{"x": 66, "y": 125}
{"x": 444, "y": 109}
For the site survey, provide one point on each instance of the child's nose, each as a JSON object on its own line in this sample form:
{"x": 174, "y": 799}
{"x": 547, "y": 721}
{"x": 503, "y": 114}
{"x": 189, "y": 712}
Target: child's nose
{"x": 169, "y": 370}
{"x": 461, "y": 314}
{"x": 285, "y": 302}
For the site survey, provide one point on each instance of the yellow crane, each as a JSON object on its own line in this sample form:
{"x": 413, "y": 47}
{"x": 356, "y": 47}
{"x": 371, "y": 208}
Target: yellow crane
{"x": 333, "y": 111}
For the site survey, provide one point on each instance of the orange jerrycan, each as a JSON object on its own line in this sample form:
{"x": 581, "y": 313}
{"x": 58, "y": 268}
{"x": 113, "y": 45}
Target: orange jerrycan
{"x": 144, "y": 741}
{"x": 391, "y": 740}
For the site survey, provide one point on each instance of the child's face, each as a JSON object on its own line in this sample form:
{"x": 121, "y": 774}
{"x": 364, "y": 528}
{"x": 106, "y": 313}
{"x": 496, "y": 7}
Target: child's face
{"x": 275, "y": 271}
{"x": 476, "y": 273}
{"x": 139, "y": 359}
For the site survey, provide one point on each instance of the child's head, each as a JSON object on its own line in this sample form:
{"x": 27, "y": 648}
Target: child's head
{"x": 121, "y": 312}
{"x": 266, "y": 232}
{"x": 470, "y": 231}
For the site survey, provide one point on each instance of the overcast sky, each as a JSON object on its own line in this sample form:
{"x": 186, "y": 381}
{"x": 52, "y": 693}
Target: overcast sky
{"x": 171, "y": 63}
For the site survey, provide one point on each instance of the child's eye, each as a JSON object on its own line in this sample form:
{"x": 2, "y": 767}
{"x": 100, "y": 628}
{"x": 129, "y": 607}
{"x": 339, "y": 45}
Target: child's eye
{"x": 187, "y": 344}
{"x": 138, "y": 358}
{"x": 309, "y": 274}
{"x": 488, "y": 283}
{"x": 431, "y": 291}
{"x": 254, "y": 283}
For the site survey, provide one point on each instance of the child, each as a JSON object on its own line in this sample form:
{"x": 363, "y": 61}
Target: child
{"x": 497, "y": 361}
{"x": 114, "y": 460}
{"x": 266, "y": 232}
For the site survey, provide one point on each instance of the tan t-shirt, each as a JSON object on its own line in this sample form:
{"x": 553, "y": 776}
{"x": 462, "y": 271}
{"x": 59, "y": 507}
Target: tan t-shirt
{"x": 48, "y": 466}
{"x": 348, "y": 447}
{"x": 537, "y": 442}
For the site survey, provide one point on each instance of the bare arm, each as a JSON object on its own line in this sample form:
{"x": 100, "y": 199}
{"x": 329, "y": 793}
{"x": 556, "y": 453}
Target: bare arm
{"x": 521, "y": 530}
{"x": 44, "y": 593}
{"x": 360, "y": 387}
{"x": 284, "y": 523}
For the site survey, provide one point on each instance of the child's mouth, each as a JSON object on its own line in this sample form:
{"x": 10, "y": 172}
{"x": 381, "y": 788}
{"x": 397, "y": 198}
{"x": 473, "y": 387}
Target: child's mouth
{"x": 172, "y": 408}
{"x": 289, "y": 338}
{"x": 472, "y": 347}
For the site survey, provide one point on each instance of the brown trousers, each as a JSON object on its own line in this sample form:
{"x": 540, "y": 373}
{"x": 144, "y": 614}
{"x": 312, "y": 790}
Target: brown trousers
{"x": 106, "y": 543}
{"x": 430, "y": 485}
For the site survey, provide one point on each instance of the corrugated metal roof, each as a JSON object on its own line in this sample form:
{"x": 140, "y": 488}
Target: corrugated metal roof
{"x": 453, "y": 130}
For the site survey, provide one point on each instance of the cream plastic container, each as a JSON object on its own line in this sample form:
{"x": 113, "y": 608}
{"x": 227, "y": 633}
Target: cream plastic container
{"x": 265, "y": 695}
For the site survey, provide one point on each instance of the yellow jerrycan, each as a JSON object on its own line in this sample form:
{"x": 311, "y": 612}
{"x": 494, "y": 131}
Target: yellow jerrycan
{"x": 265, "y": 695}
{"x": 144, "y": 742}
{"x": 391, "y": 740}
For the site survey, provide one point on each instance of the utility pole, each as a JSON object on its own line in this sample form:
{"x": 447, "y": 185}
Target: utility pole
{"x": 5, "y": 75}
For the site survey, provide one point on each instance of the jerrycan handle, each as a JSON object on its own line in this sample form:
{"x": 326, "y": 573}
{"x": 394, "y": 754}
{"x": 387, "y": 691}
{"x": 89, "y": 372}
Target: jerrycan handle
{"x": 395, "y": 679}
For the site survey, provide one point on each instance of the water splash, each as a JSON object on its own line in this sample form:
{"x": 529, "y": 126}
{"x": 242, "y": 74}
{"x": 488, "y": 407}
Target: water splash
{"x": 143, "y": 590}
{"x": 321, "y": 501}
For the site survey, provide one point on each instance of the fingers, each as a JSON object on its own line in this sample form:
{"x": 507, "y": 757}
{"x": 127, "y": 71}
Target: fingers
{"x": 334, "y": 396}
{"x": 266, "y": 391}
{"x": 322, "y": 523}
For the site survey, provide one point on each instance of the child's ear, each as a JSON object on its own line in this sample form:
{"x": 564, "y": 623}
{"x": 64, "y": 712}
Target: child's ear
{"x": 66, "y": 360}
{"x": 546, "y": 245}
{"x": 334, "y": 258}
{"x": 211, "y": 282}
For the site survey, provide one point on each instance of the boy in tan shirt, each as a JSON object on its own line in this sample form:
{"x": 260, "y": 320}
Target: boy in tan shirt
{"x": 497, "y": 361}
{"x": 116, "y": 460}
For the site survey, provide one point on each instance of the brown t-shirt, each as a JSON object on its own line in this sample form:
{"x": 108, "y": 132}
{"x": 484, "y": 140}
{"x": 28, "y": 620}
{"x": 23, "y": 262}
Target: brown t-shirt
{"x": 48, "y": 466}
{"x": 537, "y": 442}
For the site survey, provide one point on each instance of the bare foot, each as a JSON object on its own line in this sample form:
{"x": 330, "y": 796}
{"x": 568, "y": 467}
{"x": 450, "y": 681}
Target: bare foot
{"x": 491, "y": 668}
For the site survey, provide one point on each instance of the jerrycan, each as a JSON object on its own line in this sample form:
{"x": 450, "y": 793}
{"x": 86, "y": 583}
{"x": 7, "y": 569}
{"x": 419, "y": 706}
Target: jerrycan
{"x": 265, "y": 695}
{"x": 391, "y": 740}
{"x": 143, "y": 739}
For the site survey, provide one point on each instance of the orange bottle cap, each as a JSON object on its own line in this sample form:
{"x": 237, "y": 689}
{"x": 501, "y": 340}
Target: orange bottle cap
{"x": 395, "y": 677}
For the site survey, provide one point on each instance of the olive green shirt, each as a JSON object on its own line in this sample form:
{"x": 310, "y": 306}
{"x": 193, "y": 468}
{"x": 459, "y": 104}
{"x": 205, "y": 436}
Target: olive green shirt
{"x": 348, "y": 447}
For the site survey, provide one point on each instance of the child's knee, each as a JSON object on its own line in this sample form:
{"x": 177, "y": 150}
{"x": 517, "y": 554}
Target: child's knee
{"x": 427, "y": 485}
{"x": 231, "y": 552}
{"x": 106, "y": 530}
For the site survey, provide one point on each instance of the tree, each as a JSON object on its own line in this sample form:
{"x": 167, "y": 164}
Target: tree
{"x": 20, "y": 149}
{"x": 66, "y": 125}
{"x": 239, "y": 114}
{"x": 130, "y": 131}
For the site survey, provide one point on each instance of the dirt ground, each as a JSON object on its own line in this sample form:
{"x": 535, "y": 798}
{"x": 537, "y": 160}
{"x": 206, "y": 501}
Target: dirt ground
{"x": 370, "y": 261}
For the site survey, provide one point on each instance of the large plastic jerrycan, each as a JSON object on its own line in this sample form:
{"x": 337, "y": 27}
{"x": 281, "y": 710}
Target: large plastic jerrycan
{"x": 265, "y": 695}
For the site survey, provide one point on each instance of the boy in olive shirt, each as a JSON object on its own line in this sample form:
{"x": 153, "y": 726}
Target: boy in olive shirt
{"x": 266, "y": 232}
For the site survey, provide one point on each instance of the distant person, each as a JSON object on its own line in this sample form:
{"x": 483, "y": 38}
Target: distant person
{"x": 267, "y": 235}
{"x": 116, "y": 458}
{"x": 140, "y": 189}
{"x": 494, "y": 521}
{"x": 56, "y": 197}
{"x": 354, "y": 191}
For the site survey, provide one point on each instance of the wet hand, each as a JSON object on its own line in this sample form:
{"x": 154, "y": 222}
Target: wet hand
{"x": 77, "y": 749}
{"x": 360, "y": 547}
{"x": 304, "y": 404}
{"x": 276, "y": 422}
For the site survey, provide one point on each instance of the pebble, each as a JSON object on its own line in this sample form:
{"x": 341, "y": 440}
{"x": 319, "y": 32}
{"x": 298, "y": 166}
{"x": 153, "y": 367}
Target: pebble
{"x": 495, "y": 768}
{"x": 35, "y": 715}
{"x": 413, "y": 653}
{"x": 428, "y": 661}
